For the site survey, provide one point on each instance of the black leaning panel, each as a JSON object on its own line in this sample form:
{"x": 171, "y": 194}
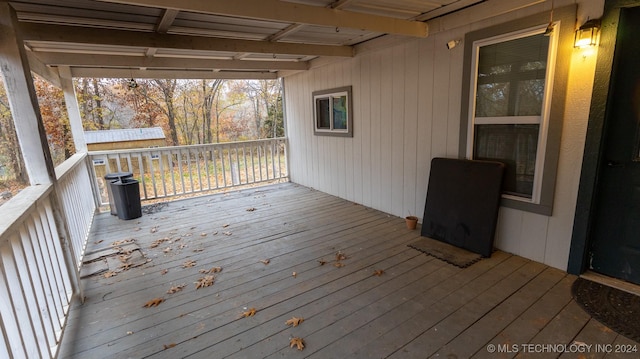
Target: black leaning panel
{"x": 462, "y": 203}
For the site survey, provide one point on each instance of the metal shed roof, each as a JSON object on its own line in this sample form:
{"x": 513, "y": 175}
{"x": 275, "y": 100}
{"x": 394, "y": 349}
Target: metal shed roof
{"x": 122, "y": 135}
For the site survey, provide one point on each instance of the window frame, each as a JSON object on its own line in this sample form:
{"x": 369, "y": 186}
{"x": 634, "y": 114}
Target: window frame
{"x": 564, "y": 21}
{"x": 330, "y": 94}
{"x": 542, "y": 120}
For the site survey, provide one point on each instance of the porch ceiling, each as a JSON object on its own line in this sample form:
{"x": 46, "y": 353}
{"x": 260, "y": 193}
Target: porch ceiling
{"x": 208, "y": 39}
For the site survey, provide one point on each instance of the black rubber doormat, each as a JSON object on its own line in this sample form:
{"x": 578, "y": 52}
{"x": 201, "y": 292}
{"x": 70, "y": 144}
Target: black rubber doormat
{"x": 612, "y": 307}
{"x": 459, "y": 257}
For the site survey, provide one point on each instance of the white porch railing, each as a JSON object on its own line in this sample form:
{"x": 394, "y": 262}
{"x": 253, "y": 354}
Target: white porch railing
{"x": 179, "y": 170}
{"x": 40, "y": 248}
{"x": 73, "y": 188}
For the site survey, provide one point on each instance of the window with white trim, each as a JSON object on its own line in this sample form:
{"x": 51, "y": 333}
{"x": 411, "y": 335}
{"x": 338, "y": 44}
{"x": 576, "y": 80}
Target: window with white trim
{"x": 332, "y": 112}
{"x": 509, "y": 102}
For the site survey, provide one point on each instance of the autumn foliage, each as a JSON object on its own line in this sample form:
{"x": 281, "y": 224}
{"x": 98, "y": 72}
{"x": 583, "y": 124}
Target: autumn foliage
{"x": 189, "y": 111}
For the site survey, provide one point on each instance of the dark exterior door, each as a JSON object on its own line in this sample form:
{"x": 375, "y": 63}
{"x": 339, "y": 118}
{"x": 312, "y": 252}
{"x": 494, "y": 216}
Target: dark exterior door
{"x": 615, "y": 244}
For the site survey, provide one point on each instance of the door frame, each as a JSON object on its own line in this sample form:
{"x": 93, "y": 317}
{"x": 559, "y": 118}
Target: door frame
{"x": 593, "y": 151}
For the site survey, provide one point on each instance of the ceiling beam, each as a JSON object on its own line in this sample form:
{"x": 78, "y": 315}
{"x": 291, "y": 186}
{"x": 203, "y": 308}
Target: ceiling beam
{"x": 74, "y": 34}
{"x": 167, "y": 20}
{"x": 289, "y": 12}
{"x": 172, "y": 74}
{"x": 92, "y": 60}
{"x": 295, "y": 27}
{"x": 42, "y": 70}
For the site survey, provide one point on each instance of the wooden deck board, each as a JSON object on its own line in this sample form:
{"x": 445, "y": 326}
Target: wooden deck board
{"x": 419, "y": 307}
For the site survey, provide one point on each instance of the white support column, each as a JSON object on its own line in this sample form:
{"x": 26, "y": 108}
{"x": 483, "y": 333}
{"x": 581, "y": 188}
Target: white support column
{"x": 23, "y": 100}
{"x": 71, "y": 101}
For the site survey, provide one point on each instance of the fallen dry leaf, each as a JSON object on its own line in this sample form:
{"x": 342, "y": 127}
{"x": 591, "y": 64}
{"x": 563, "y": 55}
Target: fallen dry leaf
{"x": 203, "y": 234}
{"x": 211, "y": 271}
{"x": 265, "y": 261}
{"x": 129, "y": 332}
{"x": 124, "y": 258}
{"x": 157, "y": 242}
{"x": 295, "y": 321}
{"x": 205, "y": 281}
{"x": 198, "y": 250}
{"x": 378, "y": 272}
{"x": 98, "y": 242}
{"x": 110, "y": 274}
{"x": 249, "y": 313}
{"x": 227, "y": 233}
{"x": 338, "y": 265}
{"x": 167, "y": 250}
{"x": 340, "y": 256}
{"x": 169, "y": 346}
{"x": 125, "y": 266}
{"x": 294, "y": 274}
{"x": 153, "y": 230}
{"x": 125, "y": 253}
{"x": 189, "y": 263}
{"x": 322, "y": 262}
{"x": 187, "y": 235}
{"x": 122, "y": 241}
{"x": 251, "y": 209}
{"x": 297, "y": 342}
{"x": 225, "y": 225}
{"x": 164, "y": 271}
{"x": 182, "y": 246}
{"x": 153, "y": 302}
{"x": 137, "y": 229}
{"x": 176, "y": 288}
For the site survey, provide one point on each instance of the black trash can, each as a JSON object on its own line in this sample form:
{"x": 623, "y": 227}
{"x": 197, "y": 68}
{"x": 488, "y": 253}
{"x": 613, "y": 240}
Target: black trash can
{"x": 126, "y": 194}
{"x": 114, "y": 177}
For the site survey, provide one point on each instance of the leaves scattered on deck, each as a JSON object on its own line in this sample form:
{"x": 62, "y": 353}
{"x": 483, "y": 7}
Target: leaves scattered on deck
{"x": 294, "y": 321}
{"x": 188, "y": 264}
{"x": 176, "y": 289}
{"x": 122, "y": 241}
{"x": 265, "y": 261}
{"x": 205, "y": 281}
{"x": 378, "y": 272}
{"x": 211, "y": 271}
{"x": 157, "y": 242}
{"x": 296, "y": 342}
{"x": 249, "y": 313}
{"x": 153, "y": 302}
{"x": 169, "y": 346}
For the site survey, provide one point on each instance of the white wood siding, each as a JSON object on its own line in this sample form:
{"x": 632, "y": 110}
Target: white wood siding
{"x": 406, "y": 102}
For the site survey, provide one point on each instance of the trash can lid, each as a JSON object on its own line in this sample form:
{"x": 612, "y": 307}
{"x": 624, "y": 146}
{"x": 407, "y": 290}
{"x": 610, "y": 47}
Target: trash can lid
{"x": 117, "y": 175}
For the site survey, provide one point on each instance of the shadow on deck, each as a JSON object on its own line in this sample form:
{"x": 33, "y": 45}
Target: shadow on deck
{"x": 418, "y": 308}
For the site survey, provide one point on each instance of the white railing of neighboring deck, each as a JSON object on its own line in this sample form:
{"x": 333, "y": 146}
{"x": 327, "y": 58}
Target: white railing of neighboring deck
{"x": 180, "y": 170}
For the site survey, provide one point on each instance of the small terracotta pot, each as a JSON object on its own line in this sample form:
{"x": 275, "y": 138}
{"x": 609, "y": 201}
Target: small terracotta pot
{"x": 412, "y": 221}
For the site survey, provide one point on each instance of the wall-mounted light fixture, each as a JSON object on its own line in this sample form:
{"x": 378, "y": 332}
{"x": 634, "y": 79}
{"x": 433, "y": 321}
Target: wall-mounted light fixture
{"x": 587, "y": 34}
{"x": 453, "y": 43}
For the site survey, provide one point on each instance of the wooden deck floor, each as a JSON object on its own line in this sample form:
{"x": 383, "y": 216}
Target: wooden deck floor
{"x": 420, "y": 307}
